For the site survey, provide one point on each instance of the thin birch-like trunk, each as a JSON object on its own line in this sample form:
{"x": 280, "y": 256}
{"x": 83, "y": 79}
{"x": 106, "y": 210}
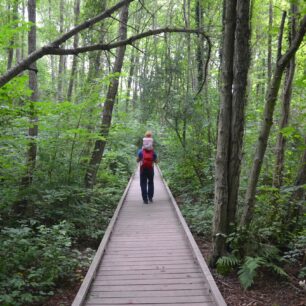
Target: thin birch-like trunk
{"x": 97, "y": 154}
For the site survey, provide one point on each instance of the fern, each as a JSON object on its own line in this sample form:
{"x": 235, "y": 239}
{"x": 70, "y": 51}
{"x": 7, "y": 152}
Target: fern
{"x": 248, "y": 270}
{"x": 276, "y": 269}
{"x": 226, "y": 263}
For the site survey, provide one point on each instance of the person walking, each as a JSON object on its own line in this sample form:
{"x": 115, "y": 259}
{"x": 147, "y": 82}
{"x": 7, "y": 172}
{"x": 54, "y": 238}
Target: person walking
{"x": 147, "y": 157}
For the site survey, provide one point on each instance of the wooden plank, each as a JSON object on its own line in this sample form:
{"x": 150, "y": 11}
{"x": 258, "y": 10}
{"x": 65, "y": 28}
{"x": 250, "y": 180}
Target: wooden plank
{"x": 148, "y": 252}
{"x": 79, "y": 299}
{"x": 121, "y": 262}
{"x": 99, "y": 281}
{"x": 214, "y": 289}
{"x": 152, "y": 300}
{"x": 147, "y": 267}
{"x": 181, "y": 304}
{"x": 113, "y": 258}
{"x": 151, "y": 276}
{"x": 149, "y": 271}
{"x": 149, "y": 293}
{"x": 147, "y": 287}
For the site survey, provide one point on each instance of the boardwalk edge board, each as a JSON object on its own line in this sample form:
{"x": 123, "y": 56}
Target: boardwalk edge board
{"x": 195, "y": 249}
{"x": 91, "y": 273}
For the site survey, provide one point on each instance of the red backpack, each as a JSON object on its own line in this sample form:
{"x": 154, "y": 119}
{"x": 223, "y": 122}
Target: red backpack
{"x": 147, "y": 159}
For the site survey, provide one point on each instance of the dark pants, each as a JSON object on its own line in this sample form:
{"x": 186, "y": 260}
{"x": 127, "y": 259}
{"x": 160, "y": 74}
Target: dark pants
{"x": 147, "y": 183}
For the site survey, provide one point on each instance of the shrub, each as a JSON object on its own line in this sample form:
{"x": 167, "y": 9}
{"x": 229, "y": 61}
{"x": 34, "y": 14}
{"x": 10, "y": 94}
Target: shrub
{"x": 32, "y": 260}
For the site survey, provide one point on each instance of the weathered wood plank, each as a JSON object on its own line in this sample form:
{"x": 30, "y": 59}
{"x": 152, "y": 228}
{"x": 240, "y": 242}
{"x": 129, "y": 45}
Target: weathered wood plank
{"x": 181, "y": 304}
{"x": 100, "y": 281}
{"x": 152, "y": 300}
{"x": 150, "y": 276}
{"x": 149, "y": 271}
{"x": 117, "y": 294}
{"x": 148, "y": 287}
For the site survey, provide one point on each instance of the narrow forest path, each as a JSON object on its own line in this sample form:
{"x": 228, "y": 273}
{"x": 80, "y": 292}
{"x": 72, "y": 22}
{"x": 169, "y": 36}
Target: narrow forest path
{"x": 148, "y": 256}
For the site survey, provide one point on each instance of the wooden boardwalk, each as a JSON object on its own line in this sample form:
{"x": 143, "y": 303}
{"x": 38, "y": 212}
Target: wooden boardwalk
{"x": 148, "y": 257}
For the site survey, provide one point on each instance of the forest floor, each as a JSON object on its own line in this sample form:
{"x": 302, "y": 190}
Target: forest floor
{"x": 267, "y": 291}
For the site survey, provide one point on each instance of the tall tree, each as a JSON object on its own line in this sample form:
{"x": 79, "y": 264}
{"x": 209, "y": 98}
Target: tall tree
{"x": 224, "y": 127}
{"x": 61, "y": 61}
{"x": 33, "y": 129}
{"x": 98, "y": 151}
{"x": 75, "y": 45}
{"x": 285, "y": 108}
{"x": 241, "y": 67}
{"x": 14, "y": 18}
{"x": 235, "y": 65}
{"x": 267, "y": 122}
{"x": 270, "y": 41}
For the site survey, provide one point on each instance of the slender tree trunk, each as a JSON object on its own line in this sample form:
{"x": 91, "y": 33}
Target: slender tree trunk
{"x": 14, "y": 15}
{"x": 270, "y": 41}
{"x": 33, "y": 129}
{"x": 90, "y": 177}
{"x": 267, "y": 123}
{"x": 75, "y": 45}
{"x": 51, "y": 56}
{"x": 224, "y": 127}
{"x": 199, "y": 52}
{"x": 61, "y": 58}
{"x": 186, "y": 105}
{"x": 286, "y": 99}
{"x": 241, "y": 67}
{"x": 130, "y": 78}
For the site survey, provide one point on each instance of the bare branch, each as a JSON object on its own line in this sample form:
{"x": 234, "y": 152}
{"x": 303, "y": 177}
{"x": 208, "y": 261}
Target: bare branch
{"x": 89, "y": 23}
{"x": 280, "y": 35}
{"x": 205, "y": 67}
{"x": 34, "y": 56}
{"x": 128, "y": 41}
{"x": 129, "y": 26}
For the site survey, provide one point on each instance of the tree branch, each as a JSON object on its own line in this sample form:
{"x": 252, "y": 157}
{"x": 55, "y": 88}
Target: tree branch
{"x": 50, "y": 49}
{"x": 120, "y": 43}
{"x": 39, "y": 53}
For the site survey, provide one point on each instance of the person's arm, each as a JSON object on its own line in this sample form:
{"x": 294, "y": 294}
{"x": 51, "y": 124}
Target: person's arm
{"x": 139, "y": 156}
{"x": 155, "y": 159}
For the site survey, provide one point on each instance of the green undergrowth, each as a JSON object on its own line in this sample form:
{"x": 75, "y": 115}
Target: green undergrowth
{"x": 54, "y": 240}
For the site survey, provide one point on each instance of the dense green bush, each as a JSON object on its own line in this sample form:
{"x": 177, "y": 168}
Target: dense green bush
{"x": 33, "y": 259}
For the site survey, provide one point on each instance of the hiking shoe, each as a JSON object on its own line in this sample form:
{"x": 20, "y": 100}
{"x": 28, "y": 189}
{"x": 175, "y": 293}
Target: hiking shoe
{"x": 151, "y": 200}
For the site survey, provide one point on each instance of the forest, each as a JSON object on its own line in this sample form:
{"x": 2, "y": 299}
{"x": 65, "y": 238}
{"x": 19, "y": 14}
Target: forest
{"x": 220, "y": 83}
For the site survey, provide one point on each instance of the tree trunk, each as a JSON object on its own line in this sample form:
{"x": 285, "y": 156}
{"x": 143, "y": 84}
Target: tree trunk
{"x": 33, "y": 129}
{"x": 267, "y": 123}
{"x": 61, "y": 58}
{"x": 241, "y": 67}
{"x": 97, "y": 154}
{"x": 286, "y": 99}
{"x": 75, "y": 45}
{"x": 11, "y": 44}
{"x": 130, "y": 78}
{"x": 270, "y": 41}
{"x": 295, "y": 204}
{"x": 223, "y": 141}
{"x": 199, "y": 52}
{"x": 51, "y": 56}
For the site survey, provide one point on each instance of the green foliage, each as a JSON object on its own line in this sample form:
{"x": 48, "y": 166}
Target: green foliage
{"x": 199, "y": 217}
{"x": 250, "y": 253}
{"x": 33, "y": 258}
